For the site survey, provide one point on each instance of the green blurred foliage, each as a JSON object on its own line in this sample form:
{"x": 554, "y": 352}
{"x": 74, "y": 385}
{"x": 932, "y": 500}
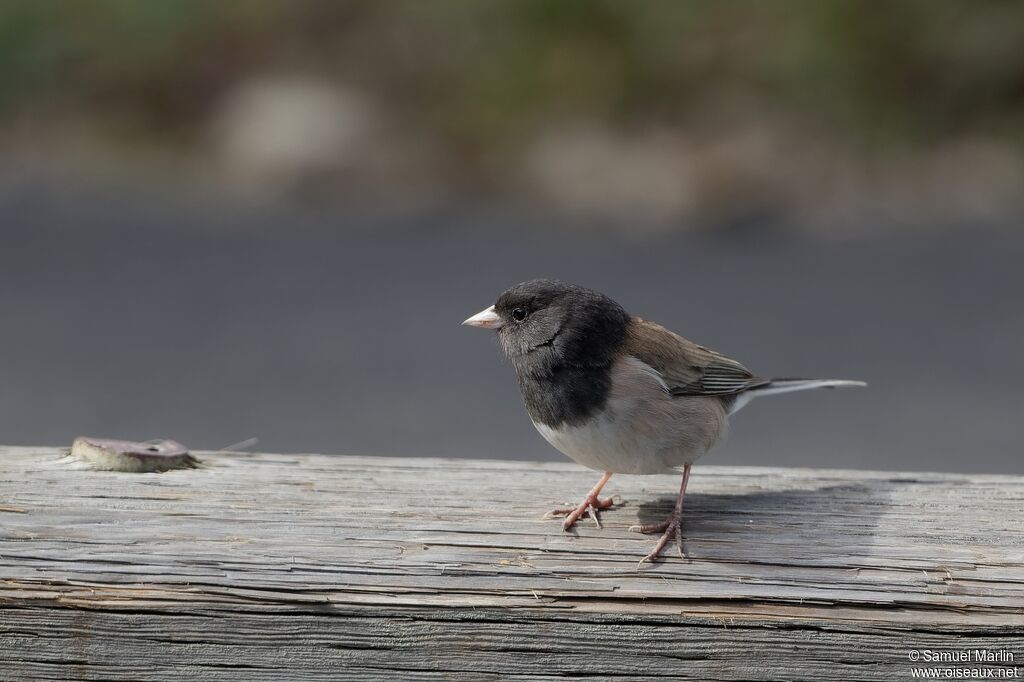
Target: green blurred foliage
{"x": 486, "y": 73}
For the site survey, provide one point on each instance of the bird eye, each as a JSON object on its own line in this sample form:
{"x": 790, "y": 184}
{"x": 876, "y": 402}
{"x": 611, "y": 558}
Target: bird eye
{"x": 519, "y": 314}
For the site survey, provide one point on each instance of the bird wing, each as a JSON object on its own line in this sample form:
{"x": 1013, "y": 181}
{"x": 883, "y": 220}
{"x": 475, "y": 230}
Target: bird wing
{"x": 687, "y": 368}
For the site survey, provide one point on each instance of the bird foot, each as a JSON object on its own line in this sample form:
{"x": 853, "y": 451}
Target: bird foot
{"x": 591, "y": 506}
{"x": 670, "y": 528}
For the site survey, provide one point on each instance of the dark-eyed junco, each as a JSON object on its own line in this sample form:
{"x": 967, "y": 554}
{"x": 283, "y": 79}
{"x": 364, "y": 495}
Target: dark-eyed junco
{"x": 617, "y": 393}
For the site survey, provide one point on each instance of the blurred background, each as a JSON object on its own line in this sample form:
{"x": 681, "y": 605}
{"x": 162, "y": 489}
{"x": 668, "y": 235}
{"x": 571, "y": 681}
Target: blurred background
{"x": 224, "y": 220}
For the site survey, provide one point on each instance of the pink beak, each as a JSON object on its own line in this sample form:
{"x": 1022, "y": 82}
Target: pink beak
{"x": 487, "y": 318}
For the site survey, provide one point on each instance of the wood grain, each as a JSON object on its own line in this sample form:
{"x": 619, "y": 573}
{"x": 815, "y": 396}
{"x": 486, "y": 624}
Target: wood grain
{"x": 309, "y": 567}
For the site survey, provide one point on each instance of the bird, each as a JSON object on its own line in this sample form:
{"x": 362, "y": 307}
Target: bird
{"x": 620, "y": 394}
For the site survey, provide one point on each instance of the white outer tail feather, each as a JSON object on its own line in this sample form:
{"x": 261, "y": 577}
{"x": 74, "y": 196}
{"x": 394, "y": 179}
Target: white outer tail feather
{"x": 788, "y": 386}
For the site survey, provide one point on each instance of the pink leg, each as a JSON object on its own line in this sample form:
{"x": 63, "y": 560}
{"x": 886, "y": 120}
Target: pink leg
{"x": 591, "y": 504}
{"x": 672, "y": 526}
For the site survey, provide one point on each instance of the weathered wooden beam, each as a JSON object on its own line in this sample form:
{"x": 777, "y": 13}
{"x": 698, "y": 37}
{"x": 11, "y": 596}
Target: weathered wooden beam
{"x": 308, "y": 567}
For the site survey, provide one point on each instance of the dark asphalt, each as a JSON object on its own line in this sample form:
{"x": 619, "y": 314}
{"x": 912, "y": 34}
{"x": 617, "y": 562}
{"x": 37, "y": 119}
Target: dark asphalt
{"x": 143, "y": 316}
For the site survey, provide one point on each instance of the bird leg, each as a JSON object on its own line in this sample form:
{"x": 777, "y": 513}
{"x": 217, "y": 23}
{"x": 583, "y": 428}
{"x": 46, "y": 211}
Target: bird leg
{"x": 672, "y": 527}
{"x": 591, "y": 504}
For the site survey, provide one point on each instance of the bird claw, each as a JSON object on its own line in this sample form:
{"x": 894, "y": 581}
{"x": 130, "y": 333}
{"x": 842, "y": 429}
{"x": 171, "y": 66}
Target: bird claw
{"x": 591, "y": 506}
{"x": 671, "y": 528}
{"x": 650, "y": 527}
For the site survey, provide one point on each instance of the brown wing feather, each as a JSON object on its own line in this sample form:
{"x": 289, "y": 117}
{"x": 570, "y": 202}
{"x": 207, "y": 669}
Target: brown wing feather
{"x": 686, "y": 367}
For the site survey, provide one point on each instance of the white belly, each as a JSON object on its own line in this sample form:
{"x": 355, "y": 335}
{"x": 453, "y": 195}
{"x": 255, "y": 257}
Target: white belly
{"x": 602, "y": 446}
{"x": 642, "y": 429}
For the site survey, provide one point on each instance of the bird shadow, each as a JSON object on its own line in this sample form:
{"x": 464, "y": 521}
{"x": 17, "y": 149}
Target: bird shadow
{"x": 841, "y": 513}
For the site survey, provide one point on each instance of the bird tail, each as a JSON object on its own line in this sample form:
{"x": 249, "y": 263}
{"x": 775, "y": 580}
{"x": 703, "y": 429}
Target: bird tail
{"x": 787, "y": 386}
